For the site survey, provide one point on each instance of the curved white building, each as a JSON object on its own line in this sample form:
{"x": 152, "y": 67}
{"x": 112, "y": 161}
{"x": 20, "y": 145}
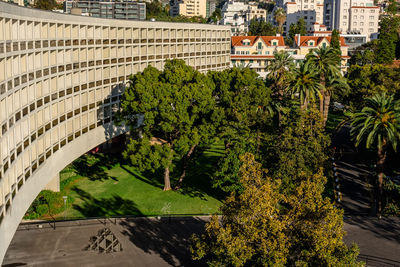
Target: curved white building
{"x": 60, "y": 81}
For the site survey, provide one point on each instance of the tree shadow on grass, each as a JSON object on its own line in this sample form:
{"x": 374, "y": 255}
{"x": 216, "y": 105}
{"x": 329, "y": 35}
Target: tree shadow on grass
{"x": 157, "y": 180}
{"x": 98, "y": 207}
{"x": 94, "y": 166}
{"x": 198, "y": 181}
{"x": 167, "y": 237}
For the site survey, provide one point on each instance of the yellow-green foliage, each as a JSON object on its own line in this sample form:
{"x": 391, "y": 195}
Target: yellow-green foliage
{"x": 263, "y": 227}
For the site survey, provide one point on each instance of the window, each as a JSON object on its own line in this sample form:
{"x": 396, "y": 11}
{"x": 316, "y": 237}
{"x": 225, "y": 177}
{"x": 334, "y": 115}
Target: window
{"x": 344, "y": 17}
{"x": 371, "y": 30}
{"x": 274, "y": 43}
{"x": 267, "y": 52}
{"x": 345, "y": 4}
{"x": 372, "y": 11}
{"x": 371, "y": 24}
{"x": 311, "y": 43}
{"x": 361, "y": 17}
{"x": 251, "y": 61}
{"x": 362, "y": 10}
{"x": 247, "y": 52}
{"x": 355, "y": 10}
{"x": 361, "y": 23}
{"x": 355, "y": 23}
{"x": 259, "y": 45}
{"x": 344, "y": 23}
{"x": 371, "y": 17}
{"x": 355, "y": 16}
{"x": 324, "y": 45}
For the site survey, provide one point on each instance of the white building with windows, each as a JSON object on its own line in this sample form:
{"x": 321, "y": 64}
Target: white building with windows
{"x": 356, "y": 17}
{"x": 238, "y": 15}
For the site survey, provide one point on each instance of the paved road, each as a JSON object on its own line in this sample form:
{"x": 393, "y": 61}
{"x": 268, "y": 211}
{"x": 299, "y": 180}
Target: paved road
{"x": 153, "y": 242}
{"x": 145, "y": 242}
{"x": 378, "y": 240}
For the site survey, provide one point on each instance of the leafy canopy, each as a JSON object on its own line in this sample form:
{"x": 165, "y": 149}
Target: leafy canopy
{"x": 175, "y": 107}
{"x": 262, "y": 227}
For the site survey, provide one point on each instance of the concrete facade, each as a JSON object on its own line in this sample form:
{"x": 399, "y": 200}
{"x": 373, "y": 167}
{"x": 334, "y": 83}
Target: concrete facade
{"x": 61, "y": 77}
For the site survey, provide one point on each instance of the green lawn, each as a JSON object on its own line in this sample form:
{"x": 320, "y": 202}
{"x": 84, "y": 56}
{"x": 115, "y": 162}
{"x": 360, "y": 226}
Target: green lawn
{"x": 101, "y": 185}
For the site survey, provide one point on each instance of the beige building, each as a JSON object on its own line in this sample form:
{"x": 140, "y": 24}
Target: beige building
{"x": 189, "y": 8}
{"x": 61, "y": 78}
{"x": 303, "y": 45}
{"x": 253, "y": 12}
{"x": 256, "y": 52}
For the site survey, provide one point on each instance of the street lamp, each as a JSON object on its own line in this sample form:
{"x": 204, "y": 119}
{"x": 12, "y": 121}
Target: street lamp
{"x": 65, "y": 204}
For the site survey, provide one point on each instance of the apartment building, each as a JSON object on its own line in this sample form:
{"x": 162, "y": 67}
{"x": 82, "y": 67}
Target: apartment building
{"x": 188, "y": 8}
{"x": 256, "y": 52}
{"x": 111, "y": 9}
{"x": 311, "y": 10}
{"x": 238, "y": 15}
{"x": 353, "y": 17}
{"x": 356, "y": 17}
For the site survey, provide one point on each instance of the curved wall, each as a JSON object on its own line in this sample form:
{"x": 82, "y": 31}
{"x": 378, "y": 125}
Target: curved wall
{"x": 60, "y": 81}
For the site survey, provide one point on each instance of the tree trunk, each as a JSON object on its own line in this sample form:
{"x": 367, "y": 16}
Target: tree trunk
{"x": 167, "y": 182}
{"x": 185, "y": 164}
{"x": 327, "y": 100}
{"x": 380, "y": 170}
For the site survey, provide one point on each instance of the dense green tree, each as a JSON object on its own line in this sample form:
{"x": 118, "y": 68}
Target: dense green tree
{"x": 393, "y": 7}
{"x": 364, "y": 54}
{"x": 335, "y": 40}
{"x": 366, "y": 81}
{"x": 262, "y": 227}
{"x": 299, "y": 28}
{"x": 377, "y": 125}
{"x": 300, "y": 146}
{"x": 175, "y": 106}
{"x": 387, "y": 39}
{"x": 327, "y": 65}
{"x": 45, "y": 4}
{"x": 305, "y": 84}
{"x": 261, "y": 28}
{"x": 155, "y": 9}
{"x": 215, "y": 16}
{"x": 244, "y": 113}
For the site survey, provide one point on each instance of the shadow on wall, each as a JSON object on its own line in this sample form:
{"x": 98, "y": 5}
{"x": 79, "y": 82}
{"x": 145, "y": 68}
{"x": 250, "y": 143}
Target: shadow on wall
{"x": 98, "y": 207}
{"x": 167, "y": 237}
{"x": 107, "y": 110}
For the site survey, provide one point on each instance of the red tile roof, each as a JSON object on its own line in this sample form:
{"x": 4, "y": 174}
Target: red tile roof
{"x": 237, "y": 40}
{"x": 251, "y": 56}
{"x": 317, "y": 40}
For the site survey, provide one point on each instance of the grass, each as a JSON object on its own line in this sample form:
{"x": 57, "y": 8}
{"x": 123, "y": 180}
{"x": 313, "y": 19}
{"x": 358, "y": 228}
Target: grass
{"x": 103, "y": 185}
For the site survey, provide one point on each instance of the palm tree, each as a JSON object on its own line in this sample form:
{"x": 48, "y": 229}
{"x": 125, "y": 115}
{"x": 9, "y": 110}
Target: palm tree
{"x": 326, "y": 63}
{"x": 305, "y": 84}
{"x": 279, "y": 71}
{"x": 378, "y": 125}
{"x": 280, "y": 18}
